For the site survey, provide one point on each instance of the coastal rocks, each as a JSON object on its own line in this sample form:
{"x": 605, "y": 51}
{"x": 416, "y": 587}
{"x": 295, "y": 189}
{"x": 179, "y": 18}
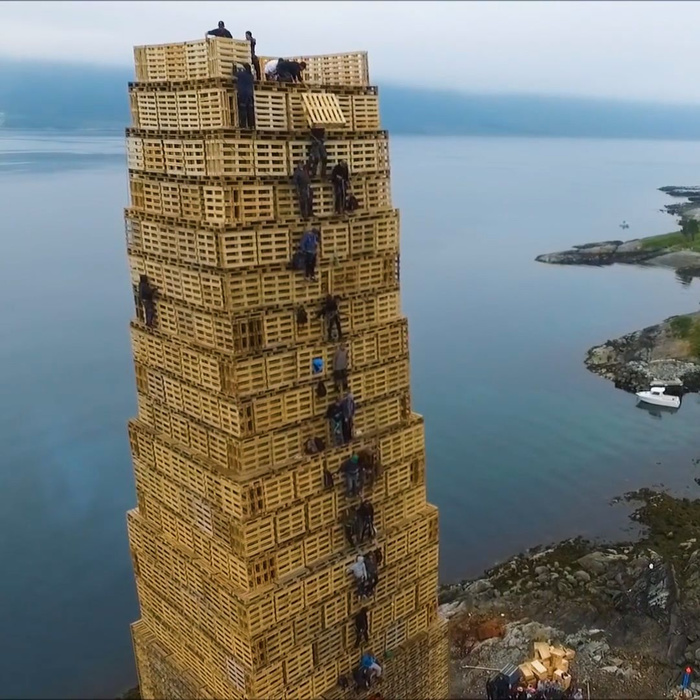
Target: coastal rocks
{"x": 479, "y": 587}
{"x": 597, "y": 562}
{"x": 601, "y": 253}
{"x": 634, "y": 360}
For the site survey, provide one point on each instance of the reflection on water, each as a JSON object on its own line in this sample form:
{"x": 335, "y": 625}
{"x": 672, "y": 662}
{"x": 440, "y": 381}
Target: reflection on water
{"x": 657, "y": 412}
{"x": 45, "y": 152}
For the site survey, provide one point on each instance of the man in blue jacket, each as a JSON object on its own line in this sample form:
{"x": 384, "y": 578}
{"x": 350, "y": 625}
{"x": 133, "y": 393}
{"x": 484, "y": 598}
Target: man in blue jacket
{"x": 309, "y": 246}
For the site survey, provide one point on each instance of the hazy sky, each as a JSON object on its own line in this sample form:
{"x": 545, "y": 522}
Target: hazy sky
{"x": 648, "y": 50}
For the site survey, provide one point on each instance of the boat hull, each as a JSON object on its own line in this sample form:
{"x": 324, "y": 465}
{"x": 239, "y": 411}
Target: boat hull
{"x": 656, "y": 400}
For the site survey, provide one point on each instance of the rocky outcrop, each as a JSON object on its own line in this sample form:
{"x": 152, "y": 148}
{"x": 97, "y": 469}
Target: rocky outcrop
{"x": 653, "y": 353}
{"x": 602, "y": 253}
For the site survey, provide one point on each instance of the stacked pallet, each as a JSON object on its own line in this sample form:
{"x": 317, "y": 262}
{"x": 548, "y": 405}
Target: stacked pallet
{"x": 238, "y": 545}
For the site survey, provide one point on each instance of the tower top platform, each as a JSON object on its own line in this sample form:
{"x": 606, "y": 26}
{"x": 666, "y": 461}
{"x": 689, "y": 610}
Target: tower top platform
{"x": 215, "y": 57}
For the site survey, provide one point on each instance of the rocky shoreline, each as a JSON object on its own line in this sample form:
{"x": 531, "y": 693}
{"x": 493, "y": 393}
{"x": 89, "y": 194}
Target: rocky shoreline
{"x": 653, "y": 353}
{"x": 630, "y": 610}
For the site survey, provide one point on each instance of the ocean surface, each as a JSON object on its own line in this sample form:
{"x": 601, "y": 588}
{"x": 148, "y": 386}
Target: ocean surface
{"x": 525, "y": 446}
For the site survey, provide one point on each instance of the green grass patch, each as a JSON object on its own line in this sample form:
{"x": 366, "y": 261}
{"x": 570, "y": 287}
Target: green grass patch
{"x": 694, "y": 339}
{"x": 681, "y": 326}
{"x": 666, "y": 240}
{"x": 675, "y": 240}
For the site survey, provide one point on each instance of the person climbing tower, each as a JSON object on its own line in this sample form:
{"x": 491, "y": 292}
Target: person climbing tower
{"x": 147, "y": 297}
{"x": 347, "y": 405}
{"x": 365, "y": 512}
{"x": 331, "y": 314}
{"x": 302, "y": 183}
{"x": 309, "y": 247}
{"x": 350, "y": 469}
{"x": 334, "y": 414}
{"x": 359, "y": 571}
{"x": 317, "y": 152}
{"x": 245, "y": 94}
{"x": 340, "y": 177}
{"x": 340, "y": 368}
{"x": 361, "y": 628}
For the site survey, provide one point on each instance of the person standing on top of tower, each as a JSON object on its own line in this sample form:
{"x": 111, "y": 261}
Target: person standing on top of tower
{"x": 271, "y": 69}
{"x": 309, "y": 247}
{"x": 289, "y": 71}
{"x": 340, "y": 176}
{"x": 253, "y": 57}
{"x": 244, "y": 93}
{"x": 220, "y": 31}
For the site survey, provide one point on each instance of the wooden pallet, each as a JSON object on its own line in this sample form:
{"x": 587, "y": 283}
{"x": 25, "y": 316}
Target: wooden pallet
{"x": 213, "y": 57}
{"x": 323, "y": 110}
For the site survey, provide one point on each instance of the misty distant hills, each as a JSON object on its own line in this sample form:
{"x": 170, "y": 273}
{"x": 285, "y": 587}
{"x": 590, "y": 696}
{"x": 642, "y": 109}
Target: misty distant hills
{"x": 60, "y": 96}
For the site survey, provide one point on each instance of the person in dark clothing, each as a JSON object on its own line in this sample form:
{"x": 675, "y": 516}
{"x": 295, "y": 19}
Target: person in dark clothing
{"x": 289, "y": 71}
{"x": 302, "y": 183}
{"x": 366, "y": 468}
{"x": 350, "y": 469}
{"x": 351, "y": 203}
{"x": 340, "y": 368}
{"x": 361, "y": 628}
{"x": 340, "y": 177}
{"x": 220, "y": 31}
{"x": 361, "y": 677}
{"x": 349, "y": 527}
{"x": 372, "y": 578}
{"x": 365, "y": 512}
{"x": 347, "y": 405}
{"x": 309, "y": 247}
{"x": 253, "y": 57}
{"x": 331, "y": 314}
{"x": 317, "y": 152}
{"x": 335, "y": 420}
{"x": 490, "y": 690}
{"x": 147, "y": 296}
{"x": 244, "y": 89}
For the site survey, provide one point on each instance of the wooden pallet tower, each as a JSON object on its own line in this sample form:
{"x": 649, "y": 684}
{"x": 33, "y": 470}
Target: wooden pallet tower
{"x": 238, "y": 549}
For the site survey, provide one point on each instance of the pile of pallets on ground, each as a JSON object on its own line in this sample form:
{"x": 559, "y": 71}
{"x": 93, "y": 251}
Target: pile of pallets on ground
{"x": 548, "y": 663}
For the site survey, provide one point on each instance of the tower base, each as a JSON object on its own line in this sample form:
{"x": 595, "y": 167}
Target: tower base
{"x": 417, "y": 670}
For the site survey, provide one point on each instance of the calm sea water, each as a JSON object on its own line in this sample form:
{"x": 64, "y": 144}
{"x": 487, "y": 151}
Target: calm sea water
{"x": 524, "y": 445}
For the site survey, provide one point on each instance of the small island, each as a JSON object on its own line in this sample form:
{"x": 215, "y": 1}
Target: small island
{"x": 669, "y": 350}
{"x": 679, "y": 250}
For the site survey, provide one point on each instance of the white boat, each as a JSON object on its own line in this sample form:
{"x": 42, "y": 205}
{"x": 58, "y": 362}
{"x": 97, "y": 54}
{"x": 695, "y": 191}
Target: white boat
{"x": 657, "y": 396}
